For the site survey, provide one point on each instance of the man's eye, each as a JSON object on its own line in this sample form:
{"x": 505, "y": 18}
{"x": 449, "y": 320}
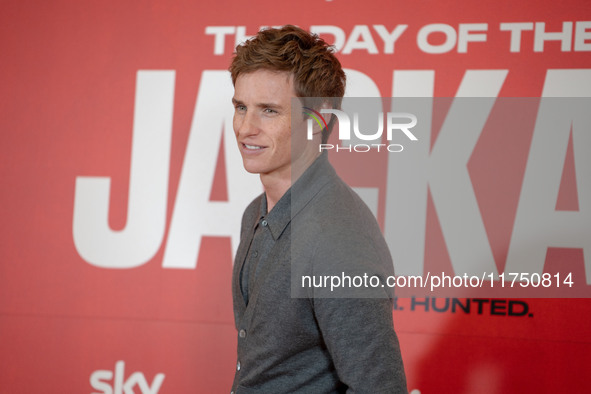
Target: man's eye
{"x": 240, "y": 108}
{"x": 270, "y": 111}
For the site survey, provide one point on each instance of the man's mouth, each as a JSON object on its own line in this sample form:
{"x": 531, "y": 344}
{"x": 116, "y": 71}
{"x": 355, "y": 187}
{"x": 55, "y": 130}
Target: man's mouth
{"x": 252, "y": 147}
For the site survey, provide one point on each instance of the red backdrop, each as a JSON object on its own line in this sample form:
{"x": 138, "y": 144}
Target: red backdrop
{"x": 72, "y": 309}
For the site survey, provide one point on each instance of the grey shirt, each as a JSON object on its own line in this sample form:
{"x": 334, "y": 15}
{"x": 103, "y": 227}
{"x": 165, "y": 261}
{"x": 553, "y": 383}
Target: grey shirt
{"x": 295, "y": 339}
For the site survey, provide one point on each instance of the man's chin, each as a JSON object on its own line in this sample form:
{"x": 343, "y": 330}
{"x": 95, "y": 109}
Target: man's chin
{"x": 253, "y": 169}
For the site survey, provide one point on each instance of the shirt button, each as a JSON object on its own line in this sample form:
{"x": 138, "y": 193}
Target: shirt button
{"x": 264, "y": 223}
{"x": 238, "y": 366}
{"x": 255, "y": 254}
{"x": 242, "y": 334}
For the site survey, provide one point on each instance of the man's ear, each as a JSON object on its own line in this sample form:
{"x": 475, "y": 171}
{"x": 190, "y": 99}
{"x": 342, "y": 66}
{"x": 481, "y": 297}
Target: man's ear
{"x": 327, "y": 116}
{"x": 319, "y": 120}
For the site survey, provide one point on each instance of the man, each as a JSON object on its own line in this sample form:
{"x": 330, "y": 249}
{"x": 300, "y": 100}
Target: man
{"x": 291, "y": 338}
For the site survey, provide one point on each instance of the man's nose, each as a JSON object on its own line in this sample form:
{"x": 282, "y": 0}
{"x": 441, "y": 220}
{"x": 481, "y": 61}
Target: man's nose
{"x": 247, "y": 126}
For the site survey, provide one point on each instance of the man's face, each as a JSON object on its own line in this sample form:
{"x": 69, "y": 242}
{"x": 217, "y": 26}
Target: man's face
{"x": 262, "y": 121}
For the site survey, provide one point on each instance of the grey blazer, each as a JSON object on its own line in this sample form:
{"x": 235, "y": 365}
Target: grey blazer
{"x": 305, "y": 339}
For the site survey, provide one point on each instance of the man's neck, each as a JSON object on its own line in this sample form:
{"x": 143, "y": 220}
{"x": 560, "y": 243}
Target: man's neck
{"x": 276, "y": 185}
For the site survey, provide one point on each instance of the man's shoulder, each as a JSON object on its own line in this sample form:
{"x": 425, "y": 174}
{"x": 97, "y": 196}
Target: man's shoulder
{"x": 338, "y": 203}
{"x": 336, "y": 233}
{"x": 337, "y": 216}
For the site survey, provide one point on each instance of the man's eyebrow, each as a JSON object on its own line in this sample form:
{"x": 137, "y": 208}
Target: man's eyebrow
{"x": 259, "y": 105}
{"x": 269, "y": 105}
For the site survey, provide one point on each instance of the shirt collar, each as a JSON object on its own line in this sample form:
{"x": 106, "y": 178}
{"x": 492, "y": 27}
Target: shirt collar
{"x": 297, "y": 196}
